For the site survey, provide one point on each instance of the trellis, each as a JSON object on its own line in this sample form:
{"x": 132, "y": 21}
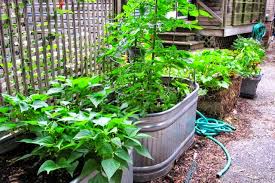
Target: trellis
{"x": 41, "y": 39}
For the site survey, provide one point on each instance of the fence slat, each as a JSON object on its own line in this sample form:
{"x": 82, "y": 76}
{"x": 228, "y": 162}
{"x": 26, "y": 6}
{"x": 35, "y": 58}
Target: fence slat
{"x": 75, "y": 39}
{"x": 85, "y": 59}
{"x": 71, "y": 62}
{"x": 35, "y": 37}
{"x": 80, "y": 39}
{"x": 19, "y": 29}
{"x": 4, "y": 56}
{"x": 44, "y": 44}
{"x": 29, "y": 52}
{"x": 56, "y": 37}
{"x": 50, "y": 37}
{"x": 12, "y": 50}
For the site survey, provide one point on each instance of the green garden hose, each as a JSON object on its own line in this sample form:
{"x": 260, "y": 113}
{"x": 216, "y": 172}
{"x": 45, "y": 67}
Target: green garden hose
{"x": 258, "y": 31}
{"x": 210, "y": 127}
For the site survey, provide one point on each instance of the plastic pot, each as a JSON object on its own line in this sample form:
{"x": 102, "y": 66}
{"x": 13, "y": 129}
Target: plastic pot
{"x": 172, "y": 133}
{"x": 249, "y": 87}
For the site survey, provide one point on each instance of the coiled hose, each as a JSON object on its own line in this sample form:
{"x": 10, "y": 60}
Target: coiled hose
{"x": 210, "y": 127}
{"x": 258, "y": 31}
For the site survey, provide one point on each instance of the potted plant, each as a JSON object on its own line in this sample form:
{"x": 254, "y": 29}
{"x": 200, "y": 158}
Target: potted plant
{"x": 250, "y": 54}
{"x": 216, "y": 71}
{"x": 167, "y": 105}
{"x": 79, "y": 133}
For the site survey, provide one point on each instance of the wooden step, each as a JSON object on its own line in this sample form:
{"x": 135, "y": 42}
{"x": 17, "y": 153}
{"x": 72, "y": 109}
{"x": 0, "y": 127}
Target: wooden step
{"x": 177, "y": 36}
{"x": 185, "y": 45}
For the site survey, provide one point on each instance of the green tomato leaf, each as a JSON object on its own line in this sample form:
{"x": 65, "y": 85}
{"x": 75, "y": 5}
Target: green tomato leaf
{"x": 110, "y": 166}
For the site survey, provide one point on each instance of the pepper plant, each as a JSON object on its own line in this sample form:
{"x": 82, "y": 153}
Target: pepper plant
{"x": 76, "y": 131}
{"x": 138, "y": 80}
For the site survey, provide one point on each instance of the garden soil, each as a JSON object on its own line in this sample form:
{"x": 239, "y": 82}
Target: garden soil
{"x": 252, "y": 145}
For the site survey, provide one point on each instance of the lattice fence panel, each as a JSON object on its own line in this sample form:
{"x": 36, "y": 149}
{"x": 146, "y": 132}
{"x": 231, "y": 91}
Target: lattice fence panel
{"x": 41, "y": 39}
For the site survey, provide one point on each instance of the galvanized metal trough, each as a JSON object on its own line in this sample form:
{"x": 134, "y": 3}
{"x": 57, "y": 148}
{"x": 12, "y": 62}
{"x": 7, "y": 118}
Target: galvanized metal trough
{"x": 172, "y": 133}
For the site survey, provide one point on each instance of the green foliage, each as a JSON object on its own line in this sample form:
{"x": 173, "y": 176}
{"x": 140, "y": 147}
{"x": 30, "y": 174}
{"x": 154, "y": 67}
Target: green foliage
{"x": 80, "y": 126}
{"x": 138, "y": 81}
{"x": 213, "y": 69}
{"x": 250, "y": 54}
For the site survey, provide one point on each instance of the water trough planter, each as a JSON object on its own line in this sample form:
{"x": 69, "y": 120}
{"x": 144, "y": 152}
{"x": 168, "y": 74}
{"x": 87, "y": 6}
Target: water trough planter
{"x": 218, "y": 104}
{"x": 172, "y": 133}
{"x": 249, "y": 87}
{"x": 8, "y": 141}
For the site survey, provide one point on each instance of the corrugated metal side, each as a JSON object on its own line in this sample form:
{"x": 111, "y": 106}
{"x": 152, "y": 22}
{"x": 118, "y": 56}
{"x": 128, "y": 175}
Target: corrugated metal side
{"x": 172, "y": 133}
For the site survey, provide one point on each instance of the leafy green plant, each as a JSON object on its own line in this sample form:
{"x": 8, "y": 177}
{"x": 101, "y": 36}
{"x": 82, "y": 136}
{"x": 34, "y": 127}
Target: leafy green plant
{"x": 76, "y": 131}
{"x": 214, "y": 69}
{"x": 138, "y": 81}
{"x": 249, "y": 54}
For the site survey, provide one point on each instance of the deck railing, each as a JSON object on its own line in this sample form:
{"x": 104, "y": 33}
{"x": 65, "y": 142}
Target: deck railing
{"x": 232, "y": 12}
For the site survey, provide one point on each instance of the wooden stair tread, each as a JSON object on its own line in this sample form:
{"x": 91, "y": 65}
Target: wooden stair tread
{"x": 178, "y": 33}
{"x": 185, "y": 43}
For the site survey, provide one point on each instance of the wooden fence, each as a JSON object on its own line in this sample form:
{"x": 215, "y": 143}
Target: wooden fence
{"x": 41, "y": 39}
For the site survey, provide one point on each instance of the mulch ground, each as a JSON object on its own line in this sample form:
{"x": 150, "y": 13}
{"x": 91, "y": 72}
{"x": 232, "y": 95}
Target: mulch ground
{"x": 210, "y": 159}
{"x": 25, "y": 171}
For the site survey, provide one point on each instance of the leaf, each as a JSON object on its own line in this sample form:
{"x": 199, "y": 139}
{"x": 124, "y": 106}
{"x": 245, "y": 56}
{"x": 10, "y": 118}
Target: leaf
{"x": 204, "y": 13}
{"x": 24, "y": 157}
{"x": 3, "y": 119}
{"x": 4, "y": 17}
{"x": 89, "y": 167}
{"x": 223, "y": 84}
{"x": 39, "y": 104}
{"x": 70, "y": 169}
{"x": 143, "y": 151}
{"x": 143, "y": 136}
{"x": 132, "y": 131}
{"x": 4, "y": 110}
{"x": 110, "y": 166}
{"x": 23, "y": 106}
{"x": 98, "y": 178}
{"x": 42, "y": 97}
{"x": 7, "y": 127}
{"x": 82, "y": 134}
{"x": 101, "y": 121}
{"x": 42, "y": 141}
{"x": 116, "y": 141}
{"x": 122, "y": 154}
{"x": 54, "y": 91}
{"x": 74, "y": 156}
{"x": 48, "y": 166}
